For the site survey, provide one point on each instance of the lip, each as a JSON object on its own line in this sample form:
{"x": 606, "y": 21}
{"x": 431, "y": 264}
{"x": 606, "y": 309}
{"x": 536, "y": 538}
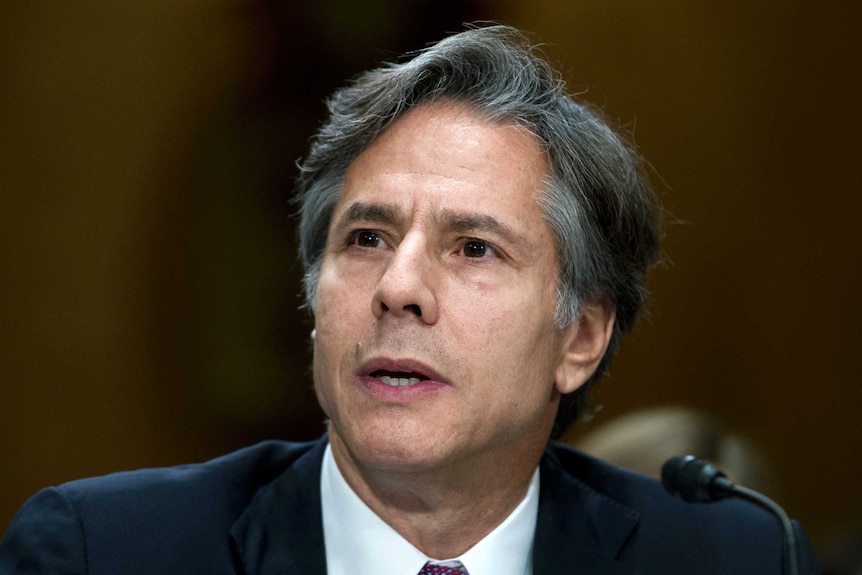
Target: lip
{"x": 431, "y": 384}
{"x": 401, "y": 365}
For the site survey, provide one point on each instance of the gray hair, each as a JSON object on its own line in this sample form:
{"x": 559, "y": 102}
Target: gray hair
{"x": 597, "y": 200}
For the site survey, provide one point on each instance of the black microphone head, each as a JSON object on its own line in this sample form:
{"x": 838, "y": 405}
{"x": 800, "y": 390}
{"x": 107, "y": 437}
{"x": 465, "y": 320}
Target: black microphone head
{"x": 694, "y": 479}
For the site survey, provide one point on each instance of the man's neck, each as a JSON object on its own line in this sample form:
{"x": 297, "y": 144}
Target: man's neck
{"x": 443, "y": 512}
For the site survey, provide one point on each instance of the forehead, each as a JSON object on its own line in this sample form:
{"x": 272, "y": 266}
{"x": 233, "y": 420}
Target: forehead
{"x": 450, "y": 155}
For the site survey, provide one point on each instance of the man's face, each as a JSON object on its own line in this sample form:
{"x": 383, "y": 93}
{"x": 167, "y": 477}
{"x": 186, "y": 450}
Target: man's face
{"x": 435, "y": 342}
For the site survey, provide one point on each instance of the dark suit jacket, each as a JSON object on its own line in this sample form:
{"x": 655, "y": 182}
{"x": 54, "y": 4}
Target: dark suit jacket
{"x": 257, "y": 511}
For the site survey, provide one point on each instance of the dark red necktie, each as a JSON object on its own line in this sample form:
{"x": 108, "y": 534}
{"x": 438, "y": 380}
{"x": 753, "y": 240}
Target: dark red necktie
{"x": 437, "y": 569}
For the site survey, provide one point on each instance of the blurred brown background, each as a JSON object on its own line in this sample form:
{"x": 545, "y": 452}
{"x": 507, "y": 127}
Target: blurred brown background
{"x": 148, "y": 284}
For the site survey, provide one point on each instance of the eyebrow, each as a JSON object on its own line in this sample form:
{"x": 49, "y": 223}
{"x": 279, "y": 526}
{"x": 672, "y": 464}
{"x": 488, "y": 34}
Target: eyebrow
{"x": 365, "y": 212}
{"x": 473, "y": 222}
{"x": 461, "y": 222}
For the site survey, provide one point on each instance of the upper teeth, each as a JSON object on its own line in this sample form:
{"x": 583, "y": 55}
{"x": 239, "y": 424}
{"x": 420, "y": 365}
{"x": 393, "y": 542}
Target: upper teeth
{"x": 399, "y": 381}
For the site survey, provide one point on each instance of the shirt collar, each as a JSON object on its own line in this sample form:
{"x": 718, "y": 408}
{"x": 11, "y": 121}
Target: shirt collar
{"x": 358, "y": 542}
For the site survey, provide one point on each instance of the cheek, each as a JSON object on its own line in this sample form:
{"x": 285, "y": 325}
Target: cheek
{"x": 518, "y": 340}
{"x": 346, "y": 287}
{"x": 498, "y": 344}
{"x": 511, "y": 315}
{"x": 336, "y": 302}
{"x": 326, "y": 342}
{"x": 320, "y": 379}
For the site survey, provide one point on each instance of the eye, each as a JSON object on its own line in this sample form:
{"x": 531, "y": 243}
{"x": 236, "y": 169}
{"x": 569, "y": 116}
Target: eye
{"x": 477, "y": 249}
{"x": 366, "y": 239}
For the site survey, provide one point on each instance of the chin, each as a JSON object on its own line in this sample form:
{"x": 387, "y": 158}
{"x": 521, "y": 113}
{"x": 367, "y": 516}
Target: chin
{"x": 399, "y": 448}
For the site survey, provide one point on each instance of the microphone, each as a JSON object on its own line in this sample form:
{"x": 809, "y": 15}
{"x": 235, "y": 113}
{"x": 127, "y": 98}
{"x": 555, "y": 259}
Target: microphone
{"x": 697, "y": 480}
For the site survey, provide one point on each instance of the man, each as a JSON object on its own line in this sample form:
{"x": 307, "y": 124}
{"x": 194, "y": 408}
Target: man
{"x": 475, "y": 244}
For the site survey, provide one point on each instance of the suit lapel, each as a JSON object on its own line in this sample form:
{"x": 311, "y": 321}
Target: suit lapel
{"x": 579, "y": 530}
{"x": 281, "y": 531}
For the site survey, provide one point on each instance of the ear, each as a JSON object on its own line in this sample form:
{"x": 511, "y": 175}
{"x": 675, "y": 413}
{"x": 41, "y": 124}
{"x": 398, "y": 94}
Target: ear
{"x": 584, "y": 345}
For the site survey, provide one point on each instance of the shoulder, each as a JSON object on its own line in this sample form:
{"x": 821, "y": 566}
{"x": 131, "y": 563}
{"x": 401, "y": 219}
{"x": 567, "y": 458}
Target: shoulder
{"x": 644, "y": 495}
{"x": 725, "y": 536}
{"x": 146, "y": 513}
{"x": 221, "y": 486}
{"x": 656, "y": 508}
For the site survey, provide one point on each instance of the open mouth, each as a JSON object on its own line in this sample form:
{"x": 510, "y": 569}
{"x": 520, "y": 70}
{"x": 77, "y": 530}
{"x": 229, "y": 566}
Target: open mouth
{"x": 398, "y": 378}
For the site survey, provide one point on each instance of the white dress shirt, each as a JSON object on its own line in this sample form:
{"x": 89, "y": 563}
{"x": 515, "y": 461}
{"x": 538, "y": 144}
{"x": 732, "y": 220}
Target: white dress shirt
{"x": 358, "y": 542}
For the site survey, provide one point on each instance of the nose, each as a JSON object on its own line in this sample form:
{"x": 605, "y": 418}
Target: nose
{"x": 407, "y": 287}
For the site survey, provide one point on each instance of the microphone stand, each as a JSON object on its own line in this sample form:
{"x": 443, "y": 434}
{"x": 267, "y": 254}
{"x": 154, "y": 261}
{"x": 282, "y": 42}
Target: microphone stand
{"x": 790, "y": 551}
{"x": 697, "y": 480}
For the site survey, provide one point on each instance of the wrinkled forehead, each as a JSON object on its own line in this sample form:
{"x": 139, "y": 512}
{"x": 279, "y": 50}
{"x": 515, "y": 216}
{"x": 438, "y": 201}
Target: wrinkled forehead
{"x": 448, "y": 151}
